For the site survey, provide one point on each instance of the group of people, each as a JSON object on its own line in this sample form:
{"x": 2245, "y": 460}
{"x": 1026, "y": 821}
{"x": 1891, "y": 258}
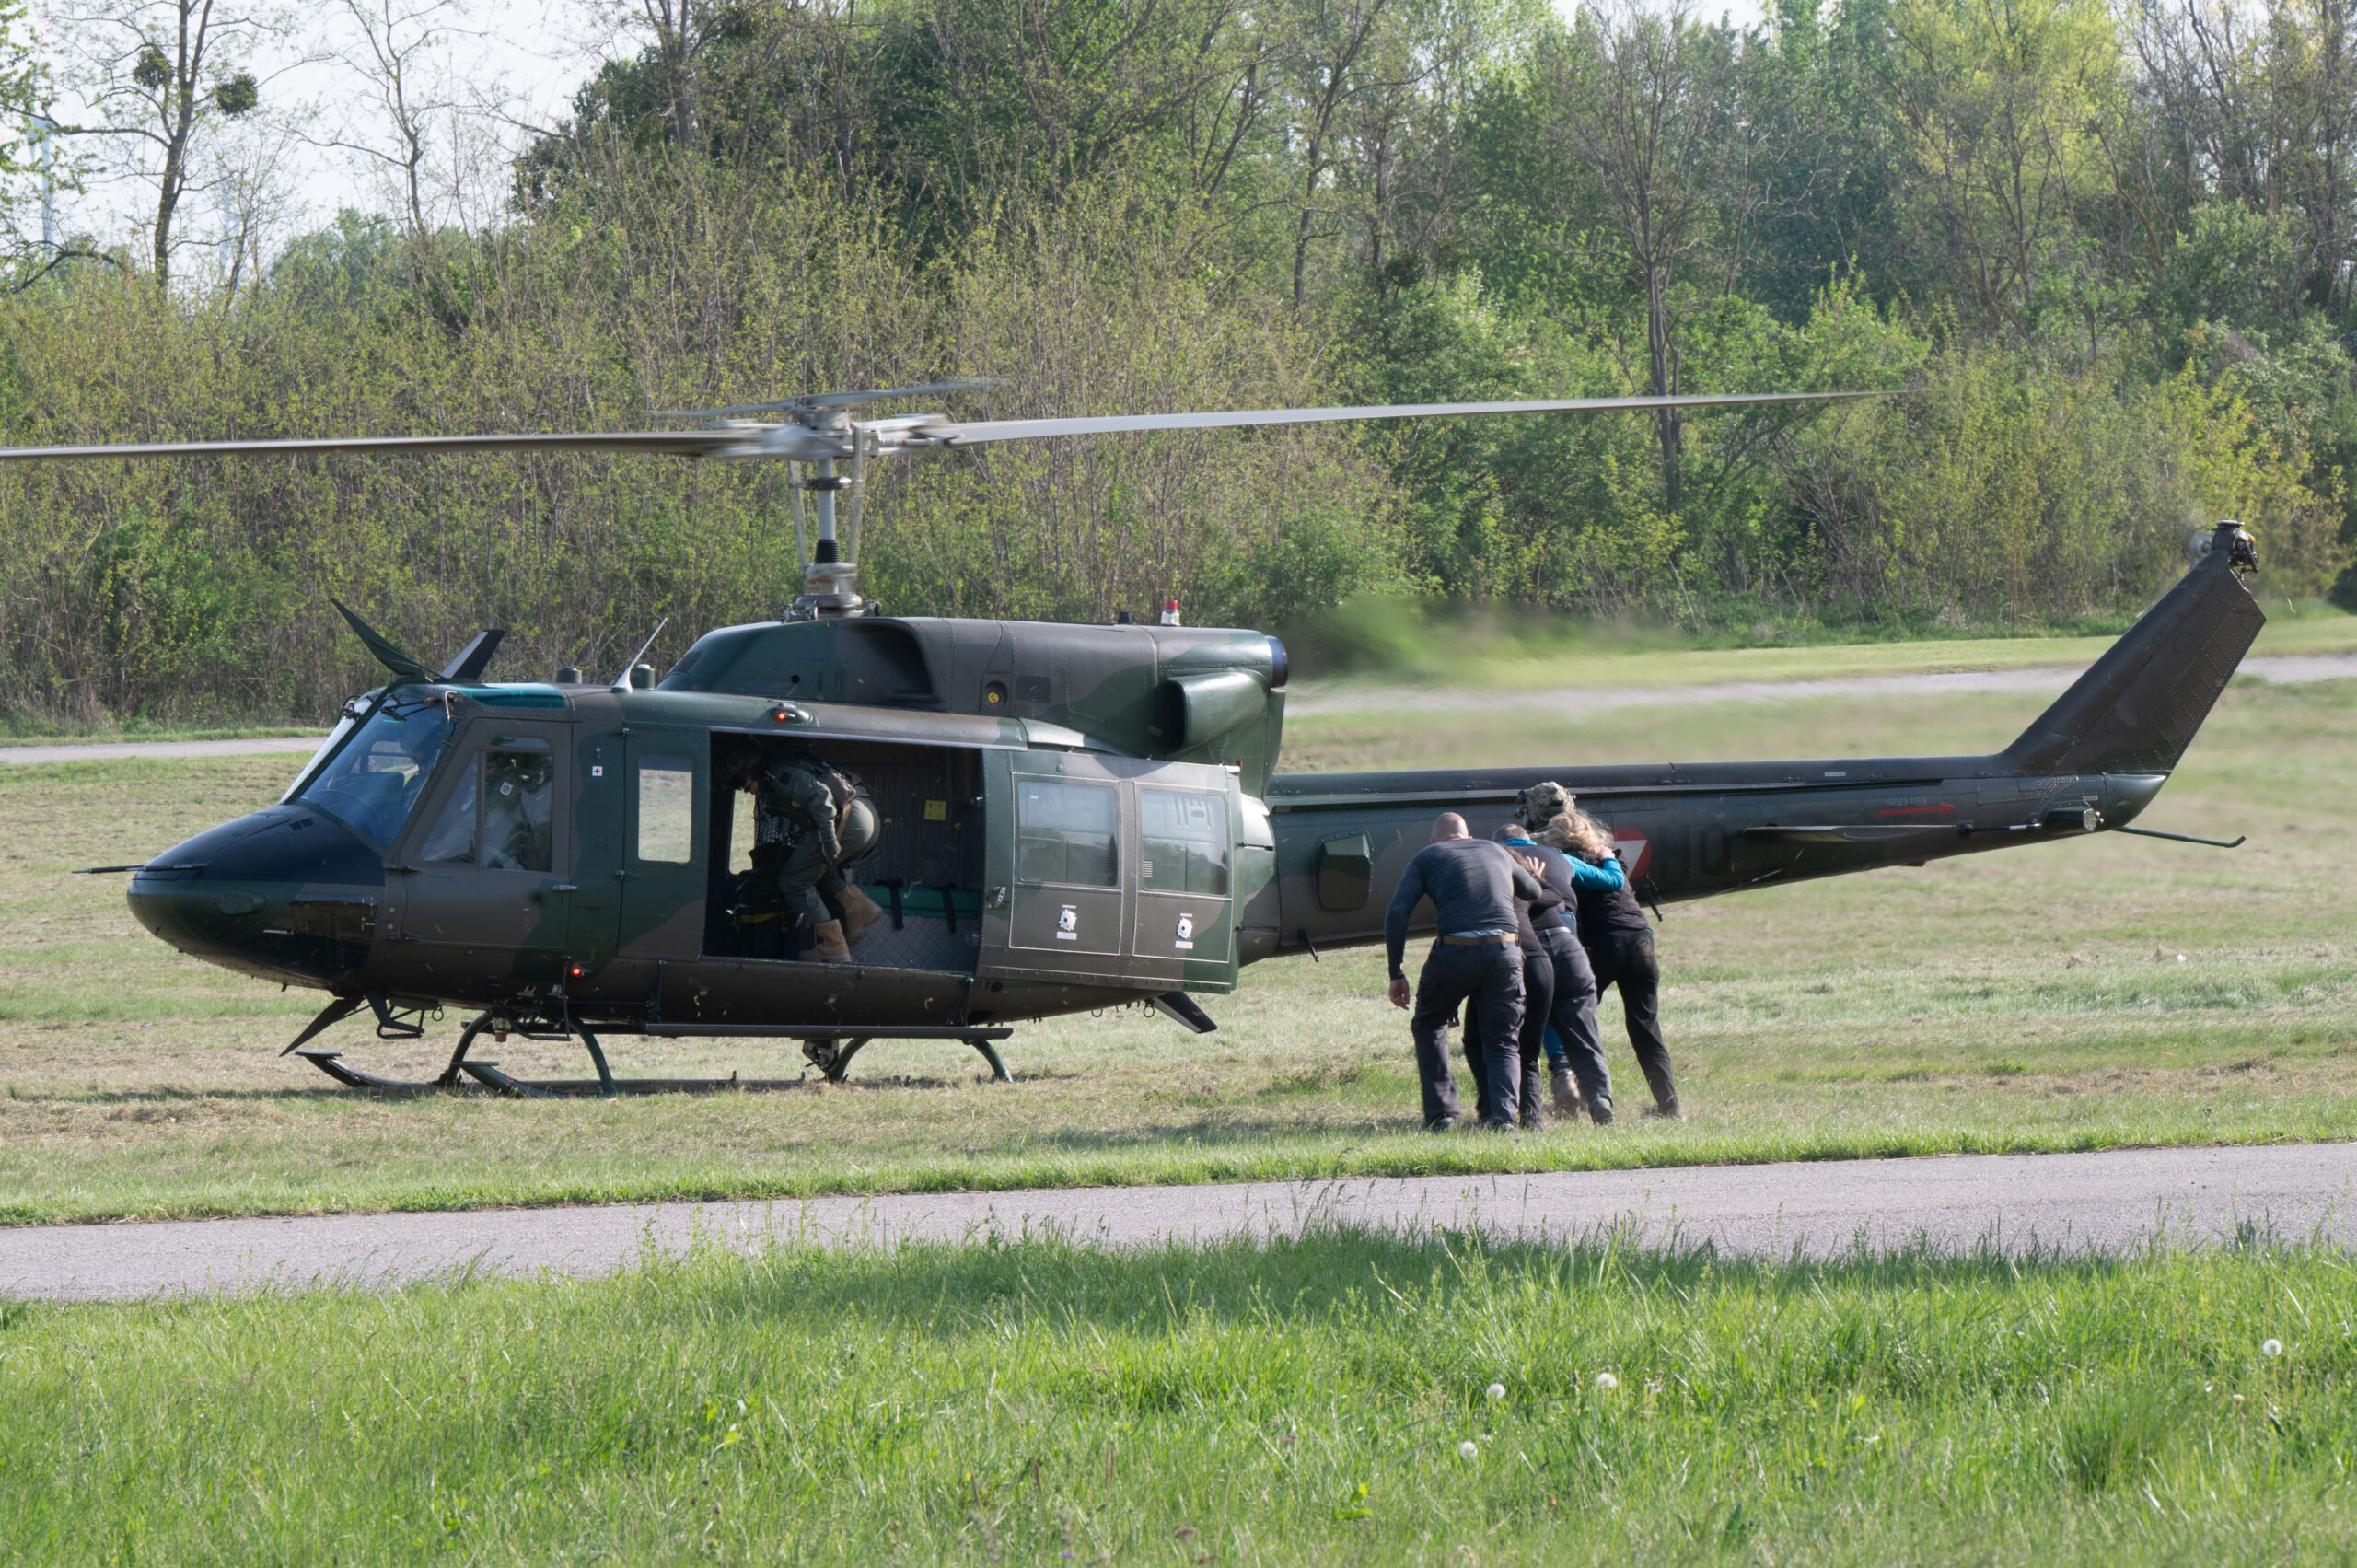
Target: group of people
{"x": 1533, "y": 923}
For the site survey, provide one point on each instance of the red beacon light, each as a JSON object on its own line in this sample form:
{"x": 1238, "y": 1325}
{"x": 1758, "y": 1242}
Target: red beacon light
{"x": 1170, "y": 613}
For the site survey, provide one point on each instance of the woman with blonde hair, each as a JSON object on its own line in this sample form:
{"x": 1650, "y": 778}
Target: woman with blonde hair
{"x": 1620, "y": 947}
{"x": 1575, "y": 1051}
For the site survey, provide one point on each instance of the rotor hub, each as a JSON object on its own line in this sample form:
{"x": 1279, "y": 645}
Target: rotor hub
{"x": 830, "y": 587}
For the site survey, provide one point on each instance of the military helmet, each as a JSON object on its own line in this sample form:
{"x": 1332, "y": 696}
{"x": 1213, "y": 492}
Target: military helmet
{"x": 857, "y": 828}
{"x": 1542, "y": 803}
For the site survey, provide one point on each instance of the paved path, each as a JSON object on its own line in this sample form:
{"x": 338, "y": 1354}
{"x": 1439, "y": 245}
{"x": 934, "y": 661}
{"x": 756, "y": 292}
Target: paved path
{"x": 22, "y": 755}
{"x": 1580, "y": 702}
{"x": 2079, "y": 1203}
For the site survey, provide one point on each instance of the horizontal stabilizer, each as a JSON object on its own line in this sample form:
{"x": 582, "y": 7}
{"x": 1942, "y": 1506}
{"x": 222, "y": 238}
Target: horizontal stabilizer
{"x": 1870, "y": 834}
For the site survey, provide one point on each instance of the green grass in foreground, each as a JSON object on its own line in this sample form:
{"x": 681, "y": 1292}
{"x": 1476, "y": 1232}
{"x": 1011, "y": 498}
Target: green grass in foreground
{"x": 2026, "y": 1000}
{"x": 1296, "y": 1402}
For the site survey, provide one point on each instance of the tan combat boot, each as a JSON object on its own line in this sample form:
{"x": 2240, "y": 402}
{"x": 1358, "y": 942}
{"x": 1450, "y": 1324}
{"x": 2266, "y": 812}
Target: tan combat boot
{"x": 860, "y": 913}
{"x": 832, "y": 949}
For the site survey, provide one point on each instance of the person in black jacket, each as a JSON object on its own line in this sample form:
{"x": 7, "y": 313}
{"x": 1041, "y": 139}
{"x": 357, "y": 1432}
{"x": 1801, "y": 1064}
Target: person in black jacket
{"x": 1538, "y": 989}
{"x": 1475, "y": 962}
{"x": 1620, "y": 949}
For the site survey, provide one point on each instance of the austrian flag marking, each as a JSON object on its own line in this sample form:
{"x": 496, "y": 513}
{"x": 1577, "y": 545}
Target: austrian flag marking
{"x": 1632, "y": 851}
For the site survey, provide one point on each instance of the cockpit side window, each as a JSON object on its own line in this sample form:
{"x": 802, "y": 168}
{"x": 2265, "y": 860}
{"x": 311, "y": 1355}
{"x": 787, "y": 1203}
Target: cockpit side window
{"x": 507, "y": 793}
{"x": 517, "y": 795}
{"x": 452, "y": 841}
{"x": 379, "y": 775}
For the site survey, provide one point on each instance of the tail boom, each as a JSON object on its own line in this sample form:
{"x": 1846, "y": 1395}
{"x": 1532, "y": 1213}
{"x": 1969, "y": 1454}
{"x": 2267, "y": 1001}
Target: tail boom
{"x": 2095, "y": 759}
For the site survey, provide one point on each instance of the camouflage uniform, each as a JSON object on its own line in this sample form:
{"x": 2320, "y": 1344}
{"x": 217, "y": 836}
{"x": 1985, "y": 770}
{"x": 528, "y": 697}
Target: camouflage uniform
{"x": 794, "y": 824}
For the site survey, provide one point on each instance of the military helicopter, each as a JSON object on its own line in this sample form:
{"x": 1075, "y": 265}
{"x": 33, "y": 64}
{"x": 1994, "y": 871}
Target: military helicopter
{"x": 1067, "y": 817}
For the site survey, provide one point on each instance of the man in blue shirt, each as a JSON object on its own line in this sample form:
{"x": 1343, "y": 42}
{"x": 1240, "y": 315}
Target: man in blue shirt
{"x": 1475, "y": 962}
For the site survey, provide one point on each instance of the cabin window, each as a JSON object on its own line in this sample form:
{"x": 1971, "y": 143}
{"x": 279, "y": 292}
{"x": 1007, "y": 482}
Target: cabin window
{"x": 1182, "y": 841}
{"x": 1064, "y": 833}
{"x": 508, "y": 792}
{"x": 667, "y": 809}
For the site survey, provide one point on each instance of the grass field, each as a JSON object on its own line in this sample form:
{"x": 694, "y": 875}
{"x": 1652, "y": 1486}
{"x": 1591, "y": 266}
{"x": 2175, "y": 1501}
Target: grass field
{"x": 2033, "y": 999}
{"x": 1307, "y": 1402}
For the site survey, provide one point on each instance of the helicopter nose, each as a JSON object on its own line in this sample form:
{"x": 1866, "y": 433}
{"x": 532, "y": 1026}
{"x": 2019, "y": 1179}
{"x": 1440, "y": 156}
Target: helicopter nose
{"x": 286, "y": 894}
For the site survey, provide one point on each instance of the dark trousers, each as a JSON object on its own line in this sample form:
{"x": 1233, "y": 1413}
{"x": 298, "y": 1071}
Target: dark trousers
{"x": 1530, "y": 1043}
{"x": 810, "y": 883}
{"x": 1573, "y": 1041}
{"x": 1486, "y": 982}
{"x": 1626, "y": 959}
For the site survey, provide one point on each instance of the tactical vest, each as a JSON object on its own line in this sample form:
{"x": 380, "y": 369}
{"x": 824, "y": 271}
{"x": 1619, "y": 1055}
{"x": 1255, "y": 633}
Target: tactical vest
{"x": 858, "y": 825}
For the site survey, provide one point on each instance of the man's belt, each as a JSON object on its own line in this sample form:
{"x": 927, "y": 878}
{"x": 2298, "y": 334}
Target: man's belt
{"x": 1508, "y": 940}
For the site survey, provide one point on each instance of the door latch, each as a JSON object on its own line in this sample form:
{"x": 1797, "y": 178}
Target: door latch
{"x": 998, "y": 898}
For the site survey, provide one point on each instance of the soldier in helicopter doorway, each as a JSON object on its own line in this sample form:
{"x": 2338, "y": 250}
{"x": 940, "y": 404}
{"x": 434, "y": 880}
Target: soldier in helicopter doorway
{"x": 804, "y": 812}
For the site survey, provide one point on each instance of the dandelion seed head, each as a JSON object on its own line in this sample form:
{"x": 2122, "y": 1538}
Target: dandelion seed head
{"x": 2270, "y": 1348}
{"x": 1497, "y": 1391}
{"x": 1468, "y": 1449}
{"x": 1607, "y": 1381}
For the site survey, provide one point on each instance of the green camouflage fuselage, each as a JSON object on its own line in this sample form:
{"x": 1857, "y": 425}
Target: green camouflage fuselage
{"x": 1073, "y": 816}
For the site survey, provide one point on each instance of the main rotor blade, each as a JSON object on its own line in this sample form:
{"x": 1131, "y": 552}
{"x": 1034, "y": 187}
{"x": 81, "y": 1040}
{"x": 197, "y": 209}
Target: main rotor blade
{"x": 1029, "y": 429}
{"x": 829, "y": 399}
{"x": 796, "y": 441}
{"x": 671, "y": 443}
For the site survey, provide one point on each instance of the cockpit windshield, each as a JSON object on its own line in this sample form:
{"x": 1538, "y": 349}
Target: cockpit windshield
{"x": 371, "y": 784}
{"x": 327, "y": 748}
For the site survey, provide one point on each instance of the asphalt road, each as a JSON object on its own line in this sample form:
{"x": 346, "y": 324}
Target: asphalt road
{"x": 24, "y": 755}
{"x": 1581, "y": 701}
{"x": 2094, "y": 1202}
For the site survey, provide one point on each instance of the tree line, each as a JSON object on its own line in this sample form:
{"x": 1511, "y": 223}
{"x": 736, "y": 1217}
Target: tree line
{"x": 2108, "y": 250}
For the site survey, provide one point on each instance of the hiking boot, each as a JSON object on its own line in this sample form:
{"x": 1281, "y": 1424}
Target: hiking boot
{"x": 1669, "y": 1112}
{"x": 1599, "y": 1110}
{"x": 860, "y": 913}
{"x": 832, "y": 948}
{"x": 1567, "y": 1091}
{"x": 1445, "y": 1124}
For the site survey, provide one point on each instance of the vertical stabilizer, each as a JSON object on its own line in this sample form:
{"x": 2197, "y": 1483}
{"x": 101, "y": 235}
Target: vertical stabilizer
{"x": 2136, "y": 709}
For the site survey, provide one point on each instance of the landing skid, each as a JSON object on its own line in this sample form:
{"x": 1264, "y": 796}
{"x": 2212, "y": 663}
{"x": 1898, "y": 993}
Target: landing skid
{"x": 831, "y": 1053}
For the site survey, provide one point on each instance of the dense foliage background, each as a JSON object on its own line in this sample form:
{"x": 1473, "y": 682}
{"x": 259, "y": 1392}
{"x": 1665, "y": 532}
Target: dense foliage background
{"x": 2110, "y": 247}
